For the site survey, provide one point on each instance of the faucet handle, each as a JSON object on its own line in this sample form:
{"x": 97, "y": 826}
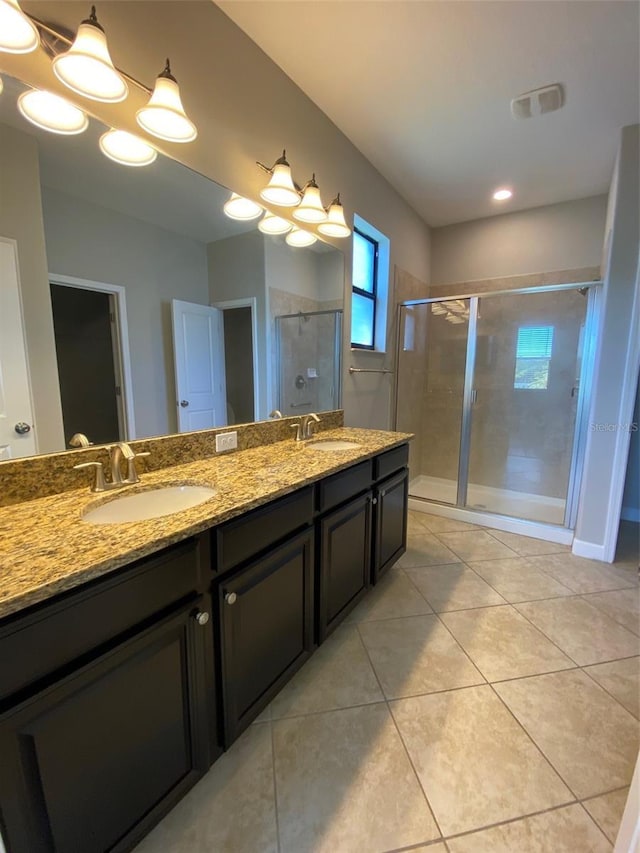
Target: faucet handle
{"x": 132, "y": 473}
{"x": 99, "y": 484}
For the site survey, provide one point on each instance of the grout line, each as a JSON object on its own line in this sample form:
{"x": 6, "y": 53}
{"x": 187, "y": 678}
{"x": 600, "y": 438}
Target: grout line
{"x": 418, "y": 846}
{"x": 608, "y": 692}
{"x": 605, "y": 793}
{"x": 275, "y": 784}
{"x": 596, "y": 824}
{"x": 585, "y": 596}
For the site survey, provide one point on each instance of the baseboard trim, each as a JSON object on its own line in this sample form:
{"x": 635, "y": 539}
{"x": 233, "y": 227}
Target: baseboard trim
{"x": 589, "y": 550}
{"x": 630, "y": 513}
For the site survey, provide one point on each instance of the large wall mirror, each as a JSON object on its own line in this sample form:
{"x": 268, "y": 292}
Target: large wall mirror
{"x": 145, "y": 277}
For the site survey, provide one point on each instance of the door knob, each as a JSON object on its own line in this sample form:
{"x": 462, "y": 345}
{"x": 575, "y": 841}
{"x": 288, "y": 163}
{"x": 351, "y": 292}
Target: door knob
{"x": 22, "y": 428}
{"x": 201, "y": 617}
{"x": 184, "y": 403}
{"x": 230, "y": 597}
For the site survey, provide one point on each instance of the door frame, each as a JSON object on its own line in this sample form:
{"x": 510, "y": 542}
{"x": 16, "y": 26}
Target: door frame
{"x": 252, "y": 303}
{"x": 122, "y": 355}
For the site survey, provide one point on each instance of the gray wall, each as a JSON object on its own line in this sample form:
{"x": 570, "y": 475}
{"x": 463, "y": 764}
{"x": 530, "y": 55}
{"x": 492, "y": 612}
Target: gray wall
{"x": 544, "y": 239}
{"x": 154, "y": 266}
{"x": 631, "y": 498}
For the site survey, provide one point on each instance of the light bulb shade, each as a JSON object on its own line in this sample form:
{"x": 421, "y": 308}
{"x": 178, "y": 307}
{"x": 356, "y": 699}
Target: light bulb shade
{"x": 51, "y": 112}
{"x": 272, "y": 224}
{"x": 241, "y": 208}
{"x": 298, "y": 238}
{"x": 310, "y": 208}
{"x": 335, "y": 225}
{"x": 164, "y": 115}
{"x": 17, "y": 33}
{"x": 126, "y": 149}
{"x": 86, "y": 68}
{"x": 280, "y": 189}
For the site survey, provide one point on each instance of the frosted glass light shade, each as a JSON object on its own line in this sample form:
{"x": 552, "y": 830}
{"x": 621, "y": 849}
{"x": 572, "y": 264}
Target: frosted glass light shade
{"x": 164, "y": 115}
{"x": 86, "y": 68}
{"x": 241, "y": 208}
{"x": 297, "y": 237}
{"x": 51, "y": 112}
{"x": 335, "y": 225}
{"x": 281, "y": 189}
{"x": 310, "y": 208}
{"x": 272, "y": 224}
{"x": 126, "y": 149}
{"x": 17, "y": 33}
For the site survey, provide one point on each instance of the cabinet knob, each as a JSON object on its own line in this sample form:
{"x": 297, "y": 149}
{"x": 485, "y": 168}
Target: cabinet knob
{"x": 374, "y": 501}
{"x": 230, "y": 597}
{"x": 201, "y": 617}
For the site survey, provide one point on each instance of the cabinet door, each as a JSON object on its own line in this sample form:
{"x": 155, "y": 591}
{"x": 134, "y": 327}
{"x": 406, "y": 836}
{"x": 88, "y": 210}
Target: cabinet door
{"x": 390, "y": 524}
{"x": 266, "y": 625}
{"x": 93, "y": 762}
{"x": 345, "y": 561}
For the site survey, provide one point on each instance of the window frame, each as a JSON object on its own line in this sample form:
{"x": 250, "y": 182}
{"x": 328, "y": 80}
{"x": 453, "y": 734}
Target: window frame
{"x": 372, "y": 294}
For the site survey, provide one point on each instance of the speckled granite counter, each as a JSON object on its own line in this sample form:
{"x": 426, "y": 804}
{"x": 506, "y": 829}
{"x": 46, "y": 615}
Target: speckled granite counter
{"x": 46, "y": 549}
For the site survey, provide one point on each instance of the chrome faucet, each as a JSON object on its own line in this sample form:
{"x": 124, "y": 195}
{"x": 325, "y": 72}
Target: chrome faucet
{"x": 117, "y": 452}
{"x": 305, "y": 426}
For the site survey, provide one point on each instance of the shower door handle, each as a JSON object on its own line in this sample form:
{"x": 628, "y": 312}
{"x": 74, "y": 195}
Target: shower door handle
{"x": 474, "y": 396}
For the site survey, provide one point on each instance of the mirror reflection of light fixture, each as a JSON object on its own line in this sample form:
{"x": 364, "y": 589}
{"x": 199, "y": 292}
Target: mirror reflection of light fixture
{"x": 335, "y": 225}
{"x": 51, "y": 112}
{"x": 280, "y": 190}
{"x": 17, "y": 33}
{"x": 86, "y": 68}
{"x": 298, "y": 238}
{"x": 311, "y": 208}
{"x": 272, "y": 224}
{"x": 164, "y": 115}
{"x": 241, "y": 208}
{"x": 126, "y": 149}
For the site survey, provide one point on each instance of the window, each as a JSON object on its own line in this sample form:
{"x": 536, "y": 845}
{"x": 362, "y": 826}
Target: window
{"x": 533, "y": 357}
{"x": 364, "y": 295}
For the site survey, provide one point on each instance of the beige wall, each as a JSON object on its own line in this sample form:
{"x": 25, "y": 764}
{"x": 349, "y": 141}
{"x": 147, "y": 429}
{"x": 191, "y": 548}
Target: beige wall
{"x": 543, "y": 239}
{"x": 21, "y": 220}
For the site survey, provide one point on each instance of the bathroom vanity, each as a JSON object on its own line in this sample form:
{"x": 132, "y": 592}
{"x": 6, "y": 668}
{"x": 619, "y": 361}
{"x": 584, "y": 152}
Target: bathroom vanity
{"x": 128, "y": 670}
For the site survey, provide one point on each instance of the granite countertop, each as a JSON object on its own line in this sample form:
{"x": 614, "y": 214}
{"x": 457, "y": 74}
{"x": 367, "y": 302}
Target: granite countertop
{"x": 46, "y": 549}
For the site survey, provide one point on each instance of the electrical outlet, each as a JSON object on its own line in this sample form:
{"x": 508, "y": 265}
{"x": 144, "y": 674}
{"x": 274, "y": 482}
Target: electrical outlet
{"x": 226, "y": 441}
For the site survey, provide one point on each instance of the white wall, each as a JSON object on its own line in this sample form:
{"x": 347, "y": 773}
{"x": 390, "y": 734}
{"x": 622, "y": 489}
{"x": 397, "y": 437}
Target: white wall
{"x": 154, "y": 266}
{"x": 544, "y": 239}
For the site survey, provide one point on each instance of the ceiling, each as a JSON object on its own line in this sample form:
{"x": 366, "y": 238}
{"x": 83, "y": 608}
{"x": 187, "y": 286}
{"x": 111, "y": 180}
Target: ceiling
{"x": 423, "y": 89}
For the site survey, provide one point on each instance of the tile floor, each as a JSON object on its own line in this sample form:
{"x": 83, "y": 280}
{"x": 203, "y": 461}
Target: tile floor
{"x": 484, "y": 698}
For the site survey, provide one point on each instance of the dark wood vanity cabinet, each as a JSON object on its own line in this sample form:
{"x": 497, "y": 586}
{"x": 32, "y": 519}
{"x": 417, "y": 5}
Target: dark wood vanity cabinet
{"x": 390, "y": 522}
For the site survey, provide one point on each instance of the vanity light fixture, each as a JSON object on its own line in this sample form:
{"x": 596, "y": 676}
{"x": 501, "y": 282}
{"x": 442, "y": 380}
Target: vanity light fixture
{"x": 335, "y": 225}
{"x": 311, "y": 208}
{"x": 51, "y": 112}
{"x": 299, "y": 238}
{"x": 280, "y": 190}
{"x": 241, "y": 208}
{"x": 86, "y": 68}
{"x": 272, "y": 224}
{"x": 126, "y": 149}
{"x": 502, "y": 194}
{"x": 164, "y": 115}
{"x": 18, "y": 34}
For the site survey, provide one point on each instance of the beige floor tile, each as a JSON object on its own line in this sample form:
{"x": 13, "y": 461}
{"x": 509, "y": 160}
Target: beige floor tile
{"x": 423, "y": 549}
{"x": 607, "y": 811}
{"x": 475, "y": 545}
{"x": 416, "y": 655}
{"x": 393, "y": 597}
{"x": 475, "y": 763}
{"x": 344, "y": 783}
{"x": 565, "y": 830}
{"x": 453, "y": 587}
{"x": 584, "y": 632}
{"x": 587, "y": 736}
{"x": 338, "y": 675}
{"x": 516, "y": 580}
{"x": 502, "y": 644}
{"x": 623, "y": 605}
{"x": 439, "y": 524}
{"x": 620, "y": 678}
{"x": 232, "y": 808}
{"x": 583, "y": 575}
{"x": 416, "y": 522}
{"x": 526, "y": 546}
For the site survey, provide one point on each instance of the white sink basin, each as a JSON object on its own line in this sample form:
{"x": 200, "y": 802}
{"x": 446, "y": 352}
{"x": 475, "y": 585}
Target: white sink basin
{"x": 153, "y": 503}
{"x": 333, "y": 444}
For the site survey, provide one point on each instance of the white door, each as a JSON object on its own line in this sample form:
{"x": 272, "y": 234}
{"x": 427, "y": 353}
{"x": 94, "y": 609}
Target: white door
{"x": 17, "y": 429}
{"x": 198, "y": 348}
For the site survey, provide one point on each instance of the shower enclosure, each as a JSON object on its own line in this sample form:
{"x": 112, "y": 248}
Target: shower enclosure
{"x": 493, "y": 386}
{"x": 308, "y": 361}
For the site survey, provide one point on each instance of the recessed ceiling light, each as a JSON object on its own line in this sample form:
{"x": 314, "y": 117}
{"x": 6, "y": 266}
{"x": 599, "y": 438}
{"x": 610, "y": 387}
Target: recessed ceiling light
{"x": 502, "y": 194}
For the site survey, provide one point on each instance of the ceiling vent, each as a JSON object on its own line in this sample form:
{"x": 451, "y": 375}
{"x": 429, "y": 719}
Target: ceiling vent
{"x": 548, "y": 99}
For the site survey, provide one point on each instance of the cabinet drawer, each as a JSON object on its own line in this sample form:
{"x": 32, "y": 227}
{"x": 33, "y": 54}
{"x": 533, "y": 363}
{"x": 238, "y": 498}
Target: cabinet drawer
{"x": 343, "y": 486}
{"x": 37, "y": 645}
{"x": 244, "y": 537}
{"x": 391, "y": 461}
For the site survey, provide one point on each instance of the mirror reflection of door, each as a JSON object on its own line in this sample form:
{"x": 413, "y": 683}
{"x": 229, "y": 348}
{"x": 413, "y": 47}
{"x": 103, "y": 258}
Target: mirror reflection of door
{"x": 86, "y": 351}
